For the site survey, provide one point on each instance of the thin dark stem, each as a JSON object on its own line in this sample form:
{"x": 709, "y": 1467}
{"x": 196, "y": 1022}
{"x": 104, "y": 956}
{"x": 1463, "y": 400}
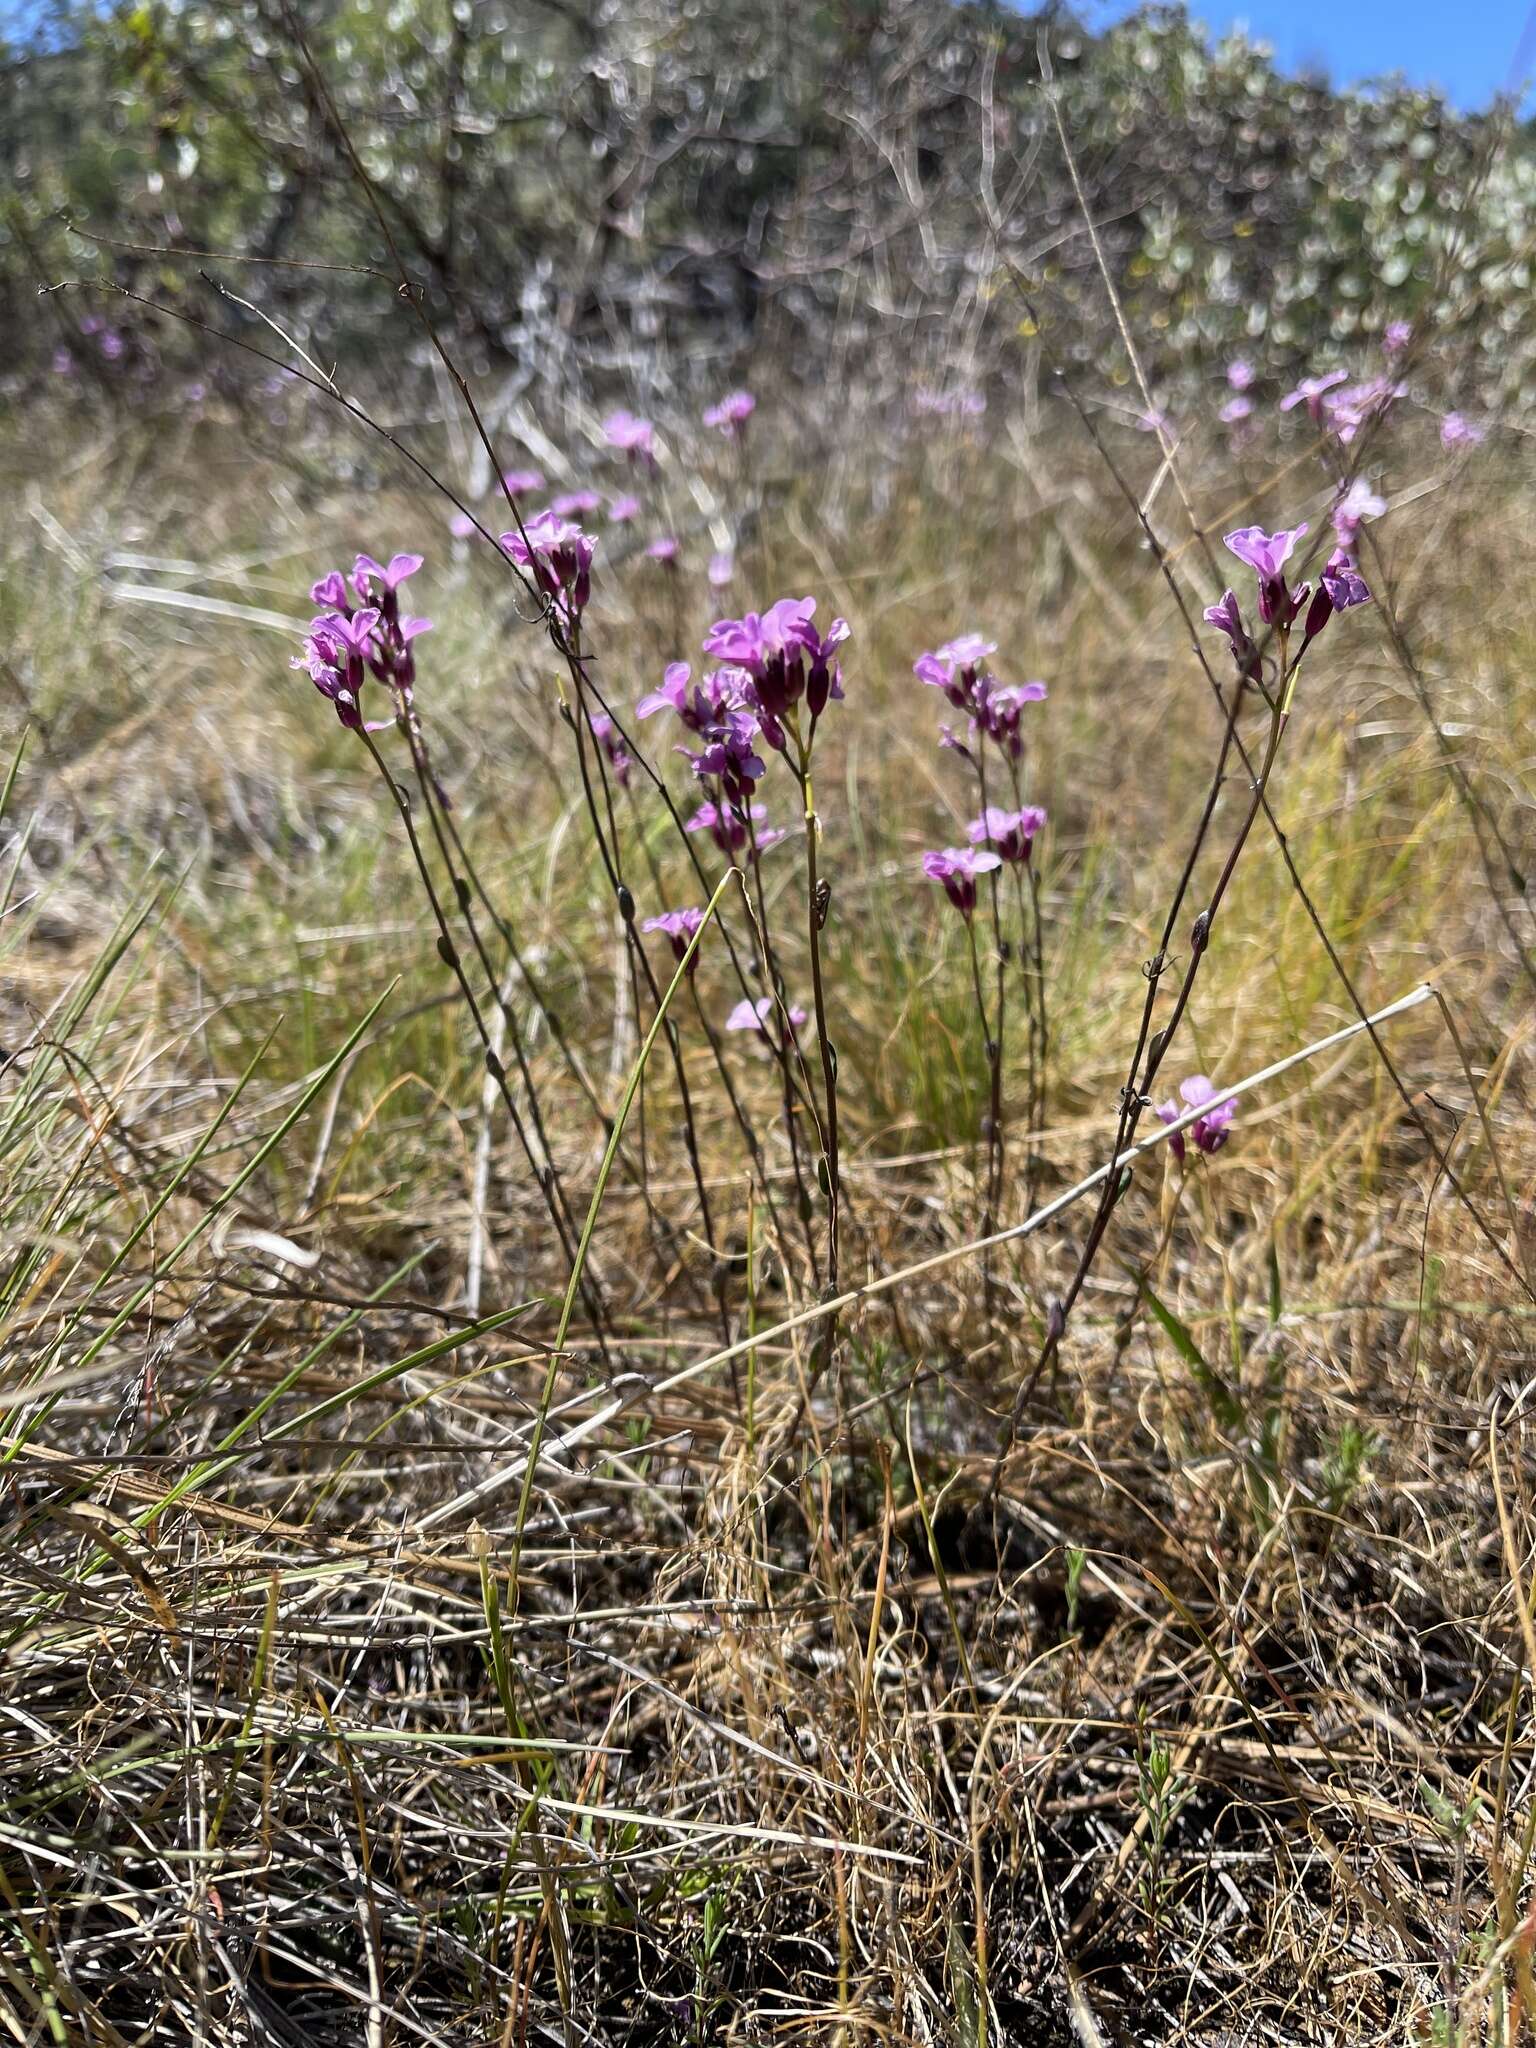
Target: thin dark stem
{"x": 448, "y": 952}
{"x": 815, "y": 917}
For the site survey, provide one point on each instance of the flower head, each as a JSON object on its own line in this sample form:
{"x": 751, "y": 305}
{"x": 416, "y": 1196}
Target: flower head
{"x": 523, "y": 482}
{"x": 750, "y": 1015}
{"x": 609, "y": 738}
{"x": 1236, "y": 410}
{"x": 630, "y": 434}
{"x": 1358, "y": 504}
{"x": 728, "y": 825}
{"x": 623, "y": 507}
{"x": 955, "y": 667}
{"x": 1010, "y": 834}
{"x": 1000, "y": 711}
{"x": 1209, "y": 1131}
{"x": 558, "y": 556}
{"x": 381, "y": 586}
{"x": 722, "y": 567}
{"x": 1240, "y": 373}
{"x": 732, "y": 412}
{"x": 460, "y": 525}
{"x": 1227, "y": 617}
{"x": 1456, "y": 432}
{"x": 1348, "y": 411}
{"x": 1266, "y": 554}
{"x": 575, "y": 504}
{"x": 957, "y": 868}
{"x": 1339, "y": 588}
{"x": 1309, "y": 392}
{"x": 785, "y": 659}
{"x": 663, "y": 548}
{"x": 679, "y": 927}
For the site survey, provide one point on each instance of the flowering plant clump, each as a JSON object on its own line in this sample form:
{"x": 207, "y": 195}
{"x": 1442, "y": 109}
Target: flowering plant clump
{"x": 957, "y": 867}
{"x": 558, "y": 556}
{"x": 1010, "y": 834}
{"x": 1209, "y": 1131}
{"x": 361, "y": 633}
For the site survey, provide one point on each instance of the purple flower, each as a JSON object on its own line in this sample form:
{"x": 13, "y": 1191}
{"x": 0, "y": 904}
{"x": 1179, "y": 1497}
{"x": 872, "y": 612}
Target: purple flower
{"x": 559, "y": 558}
{"x": 336, "y": 657}
{"x": 1240, "y": 373}
{"x": 575, "y": 504}
{"x": 622, "y": 508}
{"x": 1227, "y": 617}
{"x": 1010, "y": 834}
{"x": 1456, "y": 432}
{"x": 718, "y": 693}
{"x": 1210, "y": 1131}
{"x": 663, "y": 548}
{"x": 1339, "y": 587}
{"x": 954, "y": 668}
{"x": 680, "y": 927}
{"x": 729, "y": 755}
{"x": 1236, "y": 410}
{"x": 728, "y": 827}
{"x": 722, "y": 567}
{"x": 111, "y": 344}
{"x": 607, "y": 735}
{"x": 1397, "y": 336}
{"x": 380, "y": 586}
{"x": 522, "y": 482}
{"x": 1348, "y": 411}
{"x": 1309, "y": 392}
{"x": 1266, "y": 554}
{"x": 331, "y": 592}
{"x": 732, "y": 413}
{"x": 461, "y": 526}
{"x": 633, "y": 436}
{"x": 785, "y": 658}
{"x": 753, "y": 1016}
{"x": 1000, "y": 710}
{"x": 1358, "y": 504}
{"x": 957, "y": 868}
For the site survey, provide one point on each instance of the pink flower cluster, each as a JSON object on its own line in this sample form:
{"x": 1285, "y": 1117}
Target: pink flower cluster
{"x": 361, "y": 633}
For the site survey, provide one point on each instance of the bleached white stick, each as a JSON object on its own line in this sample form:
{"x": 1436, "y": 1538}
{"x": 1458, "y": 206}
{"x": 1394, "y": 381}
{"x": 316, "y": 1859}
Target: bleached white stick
{"x": 1031, "y": 1223}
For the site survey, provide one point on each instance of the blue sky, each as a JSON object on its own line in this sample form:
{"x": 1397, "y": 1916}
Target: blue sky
{"x": 1467, "y": 49}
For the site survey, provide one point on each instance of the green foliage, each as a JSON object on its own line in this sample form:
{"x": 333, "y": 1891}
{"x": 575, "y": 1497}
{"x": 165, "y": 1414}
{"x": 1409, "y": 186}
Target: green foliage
{"x": 539, "y": 168}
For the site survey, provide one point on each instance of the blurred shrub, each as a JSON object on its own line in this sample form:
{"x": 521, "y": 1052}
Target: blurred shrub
{"x": 575, "y": 182}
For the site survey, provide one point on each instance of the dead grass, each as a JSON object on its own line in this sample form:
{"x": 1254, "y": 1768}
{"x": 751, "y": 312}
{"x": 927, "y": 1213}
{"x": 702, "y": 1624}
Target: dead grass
{"x": 792, "y": 1714}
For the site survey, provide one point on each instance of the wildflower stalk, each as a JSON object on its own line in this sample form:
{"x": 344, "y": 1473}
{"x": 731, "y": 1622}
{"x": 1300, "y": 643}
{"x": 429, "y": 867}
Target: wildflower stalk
{"x": 993, "y": 1041}
{"x": 610, "y": 851}
{"x": 449, "y": 954}
{"x": 781, "y": 1040}
{"x": 465, "y": 901}
{"x": 816, "y": 912}
{"x": 992, "y": 1044}
{"x": 1136, "y": 1094}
